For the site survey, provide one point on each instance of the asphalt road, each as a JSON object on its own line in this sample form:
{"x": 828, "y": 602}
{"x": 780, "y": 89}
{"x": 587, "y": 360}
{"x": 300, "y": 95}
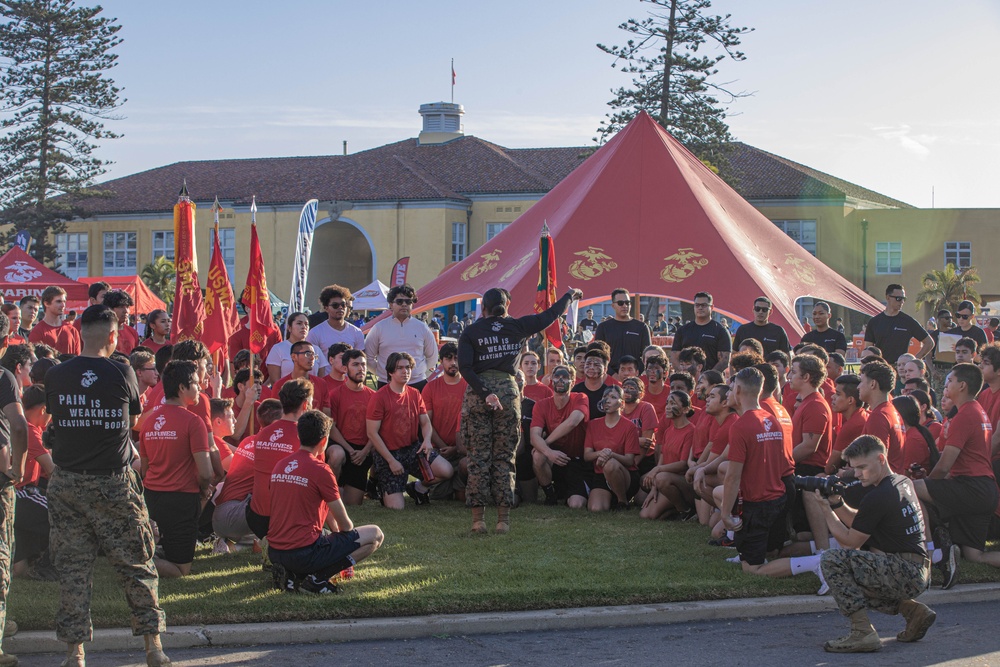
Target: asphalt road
{"x": 965, "y": 635}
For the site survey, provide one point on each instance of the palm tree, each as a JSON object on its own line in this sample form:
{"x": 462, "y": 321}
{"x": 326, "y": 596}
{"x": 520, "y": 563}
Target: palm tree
{"x": 159, "y": 277}
{"x": 948, "y": 288}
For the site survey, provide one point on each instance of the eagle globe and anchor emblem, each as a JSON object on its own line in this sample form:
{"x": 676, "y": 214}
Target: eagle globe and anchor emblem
{"x": 489, "y": 262}
{"x": 594, "y": 262}
{"x": 21, "y": 272}
{"x": 682, "y": 265}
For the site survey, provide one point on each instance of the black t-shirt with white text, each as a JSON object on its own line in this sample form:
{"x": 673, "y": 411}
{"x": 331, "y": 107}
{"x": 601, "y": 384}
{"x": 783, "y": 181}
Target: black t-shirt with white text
{"x": 830, "y": 340}
{"x": 712, "y": 338}
{"x": 892, "y": 334}
{"x": 629, "y": 337}
{"x": 91, "y": 401}
{"x": 890, "y": 513}
{"x": 771, "y": 336}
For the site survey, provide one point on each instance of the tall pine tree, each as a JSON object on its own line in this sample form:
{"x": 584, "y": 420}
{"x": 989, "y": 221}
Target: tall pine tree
{"x": 673, "y": 79}
{"x": 54, "y": 98}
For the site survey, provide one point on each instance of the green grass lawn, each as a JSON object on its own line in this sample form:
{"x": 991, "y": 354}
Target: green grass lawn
{"x": 553, "y": 557}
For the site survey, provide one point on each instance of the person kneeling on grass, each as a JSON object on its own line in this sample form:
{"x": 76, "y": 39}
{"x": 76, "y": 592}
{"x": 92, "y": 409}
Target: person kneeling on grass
{"x": 305, "y": 498}
{"x": 612, "y": 444}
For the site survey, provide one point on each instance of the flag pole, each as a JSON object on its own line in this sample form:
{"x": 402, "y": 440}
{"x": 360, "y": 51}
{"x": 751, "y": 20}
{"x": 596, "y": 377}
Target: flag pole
{"x": 253, "y": 223}
{"x": 452, "y": 80}
{"x": 221, "y": 361}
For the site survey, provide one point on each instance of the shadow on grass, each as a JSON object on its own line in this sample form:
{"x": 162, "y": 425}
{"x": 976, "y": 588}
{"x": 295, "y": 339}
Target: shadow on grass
{"x": 553, "y": 558}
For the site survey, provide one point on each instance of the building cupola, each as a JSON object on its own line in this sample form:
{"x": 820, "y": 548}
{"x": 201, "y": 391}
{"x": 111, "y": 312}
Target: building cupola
{"x": 442, "y": 122}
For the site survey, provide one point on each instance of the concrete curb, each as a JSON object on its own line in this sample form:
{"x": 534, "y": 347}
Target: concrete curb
{"x": 411, "y": 627}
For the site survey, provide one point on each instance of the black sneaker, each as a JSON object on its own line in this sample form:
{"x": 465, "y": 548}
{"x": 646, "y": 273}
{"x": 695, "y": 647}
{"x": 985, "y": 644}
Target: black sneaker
{"x": 418, "y": 498}
{"x": 688, "y": 514}
{"x": 949, "y": 556}
{"x": 550, "y": 494}
{"x": 313, "y": 585}
{"x": 723, "y": 541}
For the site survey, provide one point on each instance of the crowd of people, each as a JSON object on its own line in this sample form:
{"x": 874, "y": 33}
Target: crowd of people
{"x": 126, "y": 445}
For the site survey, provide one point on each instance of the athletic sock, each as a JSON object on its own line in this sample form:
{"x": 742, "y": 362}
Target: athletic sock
{"x": 802, "y": 564}
{"x": 730, "y": 534}
{"x": 936, "y": 556}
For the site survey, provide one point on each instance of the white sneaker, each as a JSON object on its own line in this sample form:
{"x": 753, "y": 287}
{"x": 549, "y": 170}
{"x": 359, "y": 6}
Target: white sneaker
{"x": 824, "y": 588}
{"x": 734, "y": 559}
{"x": 221, "y": 546}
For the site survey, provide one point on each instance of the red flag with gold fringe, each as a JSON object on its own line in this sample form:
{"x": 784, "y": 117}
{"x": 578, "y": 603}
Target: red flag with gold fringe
{"x": 221, "y": 320}
{"x": 545, "y": 296}
{"x": 189, "y": 310}
{"x": 256, "y": 298}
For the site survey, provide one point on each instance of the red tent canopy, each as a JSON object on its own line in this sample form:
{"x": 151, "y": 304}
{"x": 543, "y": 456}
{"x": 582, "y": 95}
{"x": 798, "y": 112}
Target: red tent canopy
{"x": 145, "y": 300}
{"x": 645, "y": 214}
{"x": 22, "y": 275}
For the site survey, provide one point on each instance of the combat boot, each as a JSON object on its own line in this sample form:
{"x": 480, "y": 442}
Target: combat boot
{"x": 7, "y": 660}
{"x": 863, "y": 638}
{"x": 919, "y": 618}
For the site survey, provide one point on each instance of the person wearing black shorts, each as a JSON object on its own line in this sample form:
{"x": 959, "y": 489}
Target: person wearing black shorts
{"x": 348, "y": 406}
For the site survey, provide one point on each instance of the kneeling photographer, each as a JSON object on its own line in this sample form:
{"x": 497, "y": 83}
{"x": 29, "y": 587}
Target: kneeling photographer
{"x": 895, "y": 568}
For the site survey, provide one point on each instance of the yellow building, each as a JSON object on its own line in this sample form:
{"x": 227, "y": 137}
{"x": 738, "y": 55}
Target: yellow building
{"x": 440, "y": 196}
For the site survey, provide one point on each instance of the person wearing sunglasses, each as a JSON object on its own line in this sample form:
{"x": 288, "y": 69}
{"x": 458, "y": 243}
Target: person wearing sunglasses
{"x": 771, "y": 336}
{"x": 704, "y": 332}
{"x": 402, "y": 333}
{"x": 892, "y": 329}
{"x": 965, "y": 324}
{"x": 625, "y": 334}
{"x": 333, "y": 327}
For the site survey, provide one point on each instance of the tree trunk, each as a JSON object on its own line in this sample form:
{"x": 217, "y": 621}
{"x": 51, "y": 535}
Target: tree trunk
{"x": 668, "y": 63}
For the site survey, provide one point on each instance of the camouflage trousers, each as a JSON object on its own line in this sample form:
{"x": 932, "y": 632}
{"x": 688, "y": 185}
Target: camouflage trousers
{"x": 491, "y": 438}
{"x": 6, "y": 547}
{"x": 865, "y": 580}
{"x": 91, "y": 513}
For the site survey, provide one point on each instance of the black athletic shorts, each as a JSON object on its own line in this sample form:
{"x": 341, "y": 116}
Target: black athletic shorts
{"x": 325, "y": 557}
{"x": 756, "y": 537}
{"x": 353, "y": 475}
{"x": 599, "y": 481}
{"x": 176, "y": 514}
{"x": 258, "y": 523}
{"x": 966, "y": 505}
{"x": 571, "y": 479}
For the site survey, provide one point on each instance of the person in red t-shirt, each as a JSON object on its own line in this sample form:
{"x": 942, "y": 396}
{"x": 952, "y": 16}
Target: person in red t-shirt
{"x": 31, "y": 514}
{"x": 961, "y": 490}
{"x": 853, "y": 416}
{"x": 51, "y": 330}
{"x": 229, "y": 520}
{"x": 667, "y": 486}
{"x": 812, "y": 422}
{"x": 338, "y": 366}
{"x": 529, "y": 365}
{"x": 612, "y": 444}
{"x": 920, "y": 451}
{"x": 719, "y": 419}
{"x": 352, "y": 458}
{"x": 877, "y": 380}
{"x": 157, "y": 330}
{"x": 400, "y": 430}
{"x": 305, "y": 498}
{"x": 272, "y": 444}
{"x": 119, "y": 301}
{"x": 176, "y": 468}
{"x": 304, "y": 359}
{"x": 757, "y": 464}
{"x": 657, "y": 390}
{"x": 643, "y": 415}
{"x": 443, "y": 399}
{"x": 558, "y": 431}
{"x": 13, "y": 314}
{"x": 246, "y": 393}
{"x": 240, "y": 340}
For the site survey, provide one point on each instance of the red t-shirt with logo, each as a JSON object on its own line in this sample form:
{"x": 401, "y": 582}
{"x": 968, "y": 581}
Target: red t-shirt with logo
{"x": 777, "y": 410}
{"x": 537, "y": 391}
{"x": 239, "y": 479}
{"x": 64, "y": 337}
{"x": 32, "y": 469}
{"x": 321, "y": 391}
{"x": 546, "y": 416}
{"x": 813, "y": 416}
{"x": 272, "y": 444}
{"x": 399, "y": 414}
{"x": 851, "y": 429}
{"x": 622, "y": 438}
{"x": 757, "y": 441}
{"x": 675, "y": 443}
{"x": 885, "y": 424}
{"x": 168, "y": 439}
{"x": 301, "y": 487}
{"x": 202, "y": 409}
{"x": 444, "y": 402}
{"x": 349, "y": 409}
{"x": 971, "y": 432}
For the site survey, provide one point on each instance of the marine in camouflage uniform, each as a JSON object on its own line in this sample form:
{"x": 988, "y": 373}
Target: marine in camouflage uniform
{"x": 865, "y": 580}
{"x": 491, "y": 438}
{"x": 6, "y": 554}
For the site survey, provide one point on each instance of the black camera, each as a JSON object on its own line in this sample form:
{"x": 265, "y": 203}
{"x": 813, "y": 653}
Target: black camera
{"x": 827, "y": 486}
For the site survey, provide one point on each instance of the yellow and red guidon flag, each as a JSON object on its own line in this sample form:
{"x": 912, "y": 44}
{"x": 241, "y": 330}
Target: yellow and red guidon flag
{"x": 189, "y": 311}
{"x": 256, "y": 298}
{"x": 545, "y": 296}
{"x": 221, "y": 320}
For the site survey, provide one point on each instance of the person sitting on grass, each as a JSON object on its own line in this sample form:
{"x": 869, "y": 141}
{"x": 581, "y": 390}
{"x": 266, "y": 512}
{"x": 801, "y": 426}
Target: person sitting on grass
{"x": 720, "y": 418}
{"x": 558, "y": 432}
{"x": 668, "y": 490}
{"x": 352, "y": 458}
{"x": 655, "y": 379}
{"x": 305, "y": 498}
{"x": 612, "y": 444}
{"x": 400, "y": 431}
{"x": 643, "y": 415}
{"x": 176, "y": 468}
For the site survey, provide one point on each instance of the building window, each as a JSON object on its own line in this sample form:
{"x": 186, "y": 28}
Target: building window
{"x": 119, "y": 253}
{"x": 72, "y": 249}
{"x": 227, "y": 241}
{"x": 459, "y": 249}
{"x": 163, "y": 245}
{"x": 802, "y": 232}
{"x": 958, "y": 253}
{"x": 494, "y": 228}
{"x": 889, "y": 257}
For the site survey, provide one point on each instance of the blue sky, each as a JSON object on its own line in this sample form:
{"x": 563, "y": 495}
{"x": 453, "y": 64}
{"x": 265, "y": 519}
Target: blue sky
{"x": 895, "y": 95}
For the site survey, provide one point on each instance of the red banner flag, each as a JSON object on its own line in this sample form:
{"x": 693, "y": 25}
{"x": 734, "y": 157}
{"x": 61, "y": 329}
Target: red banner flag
{"x": 189, "y": 311}
{"x": 399, "y": 272}
{"x": 221, "y": 320}
{"x": 545, "y": 296}
{"x": 257, "y": 299}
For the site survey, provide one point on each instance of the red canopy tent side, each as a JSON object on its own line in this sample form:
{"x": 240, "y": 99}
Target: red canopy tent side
{"x": 22, "y": 275}
{"x": 645, "y": 214}
{"x": 145, "y": 300}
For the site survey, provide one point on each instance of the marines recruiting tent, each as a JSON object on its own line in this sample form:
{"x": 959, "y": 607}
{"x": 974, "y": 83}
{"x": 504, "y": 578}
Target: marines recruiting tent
{"x": 22, "y": 275}
{"x": 645, "y": 214}
{"x": 145, "y": 300}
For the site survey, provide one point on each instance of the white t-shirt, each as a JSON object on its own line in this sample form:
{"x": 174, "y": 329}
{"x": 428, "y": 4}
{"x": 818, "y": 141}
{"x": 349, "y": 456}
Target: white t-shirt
{"x": 323, "y": 336}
